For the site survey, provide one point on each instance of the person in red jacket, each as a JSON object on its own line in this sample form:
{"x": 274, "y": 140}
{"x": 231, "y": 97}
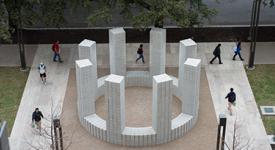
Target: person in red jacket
{"x": 56, "y": 50}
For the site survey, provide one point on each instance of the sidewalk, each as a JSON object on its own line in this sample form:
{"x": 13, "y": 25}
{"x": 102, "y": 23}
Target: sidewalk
{"x": 9, "y": 54}
{"x": 47, "y": 97}
{"x": 249, "y": 126}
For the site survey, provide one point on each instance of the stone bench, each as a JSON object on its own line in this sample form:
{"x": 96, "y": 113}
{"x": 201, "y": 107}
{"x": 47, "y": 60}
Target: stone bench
{"x": 96, "y": 126}
{"x": 180, "y": 125}
{"x": 142, "y": 136}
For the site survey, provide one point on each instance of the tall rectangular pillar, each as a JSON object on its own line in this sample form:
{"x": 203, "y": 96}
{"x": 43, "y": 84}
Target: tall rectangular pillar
{"x": 187, "y": 49}
{"x": 115, "y": 96}
{"x": 85, "y": 78}
{"x": 161, "y": 112}
{"x": 87, "y": 50}
{"x": 191, "y": 86}
{"x": 117, "y": 47}
{"x": 157, "y": 51}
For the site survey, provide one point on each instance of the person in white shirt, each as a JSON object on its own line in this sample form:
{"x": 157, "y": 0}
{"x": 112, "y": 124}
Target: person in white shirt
{"x": 42, "y": 71}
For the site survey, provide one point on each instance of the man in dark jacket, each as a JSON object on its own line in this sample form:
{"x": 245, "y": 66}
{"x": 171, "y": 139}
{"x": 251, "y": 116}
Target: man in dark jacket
{"x": 36, "y": 118}
{"x": 140, "y": 53}
{"x": 217, "y": 53}
{"x": 231, "y": 96}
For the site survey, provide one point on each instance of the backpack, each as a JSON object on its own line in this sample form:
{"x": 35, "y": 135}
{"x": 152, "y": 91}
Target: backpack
{"x": 42, "y": 69}
{"x": 53, "y": 47}
{"x": 233, "y": 97}
{"x": 139, "y": 51}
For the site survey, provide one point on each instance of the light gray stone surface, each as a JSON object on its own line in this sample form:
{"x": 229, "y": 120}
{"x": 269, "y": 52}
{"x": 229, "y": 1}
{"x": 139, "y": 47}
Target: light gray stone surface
{"x": 117, "y": 47}
{"x": 161, "y": 111}
{"x": 191, "y": 86}
{"x": 85, "y": 78}
{"x": 157, "y": 51}
{"x": 87, "y": 50}
{"x": 115, "y": 95}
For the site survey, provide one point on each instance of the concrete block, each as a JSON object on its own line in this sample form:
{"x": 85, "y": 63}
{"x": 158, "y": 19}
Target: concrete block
{"x": 117, "y": 47}
{"x": 115, "y": 96}
{"x": 187, "y": 49}
{"x": 87, "y": 50}
{"x": 157, "y": 51}
{"x": 191, "y": 86}
{"x": 4, "y": 139}
{"x": 161, "y": 112}
{"x": 85, "y": 78}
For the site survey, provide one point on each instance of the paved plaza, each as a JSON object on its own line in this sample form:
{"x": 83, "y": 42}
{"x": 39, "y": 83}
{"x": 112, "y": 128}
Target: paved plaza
{"x": 220, "y": 79}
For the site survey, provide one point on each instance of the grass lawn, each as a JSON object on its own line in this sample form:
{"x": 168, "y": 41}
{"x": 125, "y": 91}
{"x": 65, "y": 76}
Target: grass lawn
{"x": 262, "y": 81}
{"x": 12, "y": 83}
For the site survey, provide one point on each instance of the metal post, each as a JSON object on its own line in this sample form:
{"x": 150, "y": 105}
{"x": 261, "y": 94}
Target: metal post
{"x": 254, "y": 32}
{"x": 222, "y": 124}
{"x": 218, "y": 137}
{"x": 61, "y": 138}
{"x": 58, "y": 134}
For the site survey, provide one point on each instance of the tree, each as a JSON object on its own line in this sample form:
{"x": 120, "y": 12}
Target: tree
{"x": 239, "y": 141}
{"x": 4, "y": 23}
{"x": 141, "y": 13}
{"x": 16, "y": 14}
{"x": 255, "y": 17}
{"x": 48, "y": 138}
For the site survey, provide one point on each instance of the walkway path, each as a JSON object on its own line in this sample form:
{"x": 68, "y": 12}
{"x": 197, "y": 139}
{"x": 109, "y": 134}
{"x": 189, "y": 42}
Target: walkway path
{"x": 249, "y": 126}
{"x": 220, "y": 78}
{"x": 46, "y": 97}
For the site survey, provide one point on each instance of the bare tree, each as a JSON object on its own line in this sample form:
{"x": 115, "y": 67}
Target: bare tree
{"x": 239, "y": 141}
{"x": 48, "y": 138}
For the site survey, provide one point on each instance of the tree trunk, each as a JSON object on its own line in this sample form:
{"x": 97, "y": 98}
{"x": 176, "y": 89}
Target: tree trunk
{"x": 20, "y": 40}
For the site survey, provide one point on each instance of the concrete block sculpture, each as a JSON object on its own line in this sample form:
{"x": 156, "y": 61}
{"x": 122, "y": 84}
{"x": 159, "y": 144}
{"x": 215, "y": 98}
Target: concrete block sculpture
{"x": 161, "y": 112}
{"x": 163, "y": 128}
{"x": 157, "y": 51}
{"x": 85, "y": 78}
{"x": 115, "y": 96}
{"x": 87, "y": 50}
{"x": 187, "y": 49}
{"x": 191, "y": 86}
{"x": 117, "y": 47}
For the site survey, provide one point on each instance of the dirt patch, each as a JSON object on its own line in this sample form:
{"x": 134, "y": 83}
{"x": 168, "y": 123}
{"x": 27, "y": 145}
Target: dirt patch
{"x": 201, "y": 137}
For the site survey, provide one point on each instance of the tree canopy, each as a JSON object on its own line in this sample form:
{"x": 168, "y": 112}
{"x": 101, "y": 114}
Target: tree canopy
{"x": 143, "y": 13}
{"x": 140, "y": 13}
{"x": 20, "y": 13}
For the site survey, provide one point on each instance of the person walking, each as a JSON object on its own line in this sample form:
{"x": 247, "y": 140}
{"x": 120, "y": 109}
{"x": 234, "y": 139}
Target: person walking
{"x": 36, "y": 118}
{"x": 238, "y": 51}
{"x": 140, "y": 53}
{"x": 42, "y": 72}
{"x": 217, "y": 54}
{"x": 231, "y": 96}
{"x": 56, "y": 50}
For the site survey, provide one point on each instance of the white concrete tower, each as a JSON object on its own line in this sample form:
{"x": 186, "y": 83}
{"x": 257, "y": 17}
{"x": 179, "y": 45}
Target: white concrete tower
{"x": 157, "y": 51}
{"x": 187, "y": 49}
{"x": 161, "y": 112}
{"x": 85, "y": 78}
{"x": 117, "y": 47}
{"x": 115, "y": 96}
{"x": 87, "y": 50}
{"x": 191, "y": 86}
